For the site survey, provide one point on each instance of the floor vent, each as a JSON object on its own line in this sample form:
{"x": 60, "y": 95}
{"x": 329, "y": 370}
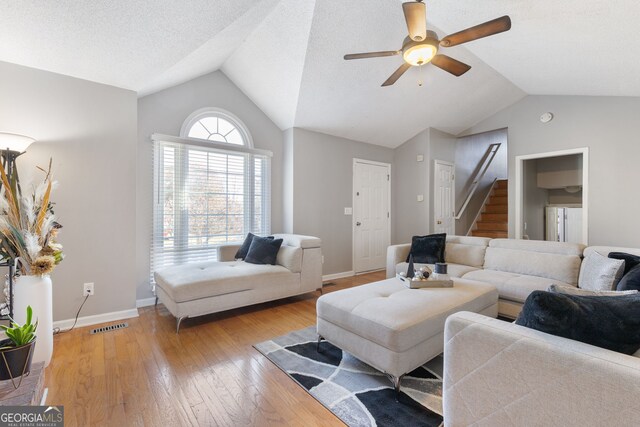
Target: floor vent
{"x": 109, "y": 328}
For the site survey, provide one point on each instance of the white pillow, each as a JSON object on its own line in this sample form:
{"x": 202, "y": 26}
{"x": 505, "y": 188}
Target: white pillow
{"x": 599, "y": 273}
{"x": 570, "y": 290}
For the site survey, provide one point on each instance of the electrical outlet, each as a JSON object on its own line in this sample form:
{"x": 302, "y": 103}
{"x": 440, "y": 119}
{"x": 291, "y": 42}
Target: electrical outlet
{"x": 87, "y": 289}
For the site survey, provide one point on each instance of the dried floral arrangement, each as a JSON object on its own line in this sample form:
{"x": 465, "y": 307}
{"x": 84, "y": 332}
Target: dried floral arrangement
{"x": 28, "y": 226}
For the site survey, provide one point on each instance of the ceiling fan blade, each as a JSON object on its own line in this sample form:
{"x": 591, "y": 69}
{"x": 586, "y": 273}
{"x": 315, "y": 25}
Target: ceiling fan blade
{"x": 371, "y": 54}
{"x": 489, "y": 28}
{"x": 415, "y": 13}
{"x": 450, "y": 65}
{"x": 397, "y": 74}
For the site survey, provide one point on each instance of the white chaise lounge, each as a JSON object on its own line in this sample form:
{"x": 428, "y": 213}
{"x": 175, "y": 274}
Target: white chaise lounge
{"x": 196, "y": 289}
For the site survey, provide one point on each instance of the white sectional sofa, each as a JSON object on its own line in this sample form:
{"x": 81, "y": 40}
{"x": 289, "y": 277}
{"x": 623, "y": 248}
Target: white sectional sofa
{"x": 196, "y": 289}
{"x": 515, "y": 267}
{"x": 500, "y": 374}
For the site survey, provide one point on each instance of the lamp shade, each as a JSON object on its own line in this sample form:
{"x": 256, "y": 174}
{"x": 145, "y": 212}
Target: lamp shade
{"x": 14, "y": 142}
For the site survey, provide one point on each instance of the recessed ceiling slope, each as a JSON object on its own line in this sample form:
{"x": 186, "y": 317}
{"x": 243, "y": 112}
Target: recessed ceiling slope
{"x": 344, "y": 98}
{"x": 211, "y": 55}
{"x": 268, "y": 66}
{"x": 120, "y": 42}
{"x": 571, "y": 47}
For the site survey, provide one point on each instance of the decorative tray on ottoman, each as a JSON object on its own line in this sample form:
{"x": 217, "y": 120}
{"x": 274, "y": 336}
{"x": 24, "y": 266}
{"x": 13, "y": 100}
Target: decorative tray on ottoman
{"x": 428, "y": 283}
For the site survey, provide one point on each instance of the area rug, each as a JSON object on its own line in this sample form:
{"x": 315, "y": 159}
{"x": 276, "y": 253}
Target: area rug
{"x": 355, "y": 392}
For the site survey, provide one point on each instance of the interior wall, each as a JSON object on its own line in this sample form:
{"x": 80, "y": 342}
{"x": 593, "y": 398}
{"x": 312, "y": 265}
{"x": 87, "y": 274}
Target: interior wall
{"x": 470, "y": 152}
{"x": 534, "y": 201}
{"x": 89, "y": 130}
{"x": 323, "y": 187}
{"x": 164, "y": 112}
{"x": 609, "y": 127}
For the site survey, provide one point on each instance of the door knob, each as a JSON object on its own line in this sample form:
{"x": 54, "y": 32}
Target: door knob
{"x": 358, "y": 223}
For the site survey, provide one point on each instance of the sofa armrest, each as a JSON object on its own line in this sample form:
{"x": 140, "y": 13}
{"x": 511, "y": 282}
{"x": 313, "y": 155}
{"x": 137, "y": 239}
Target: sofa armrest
{"x": 498, "y": 373}
{"x": 395, "y": 255}
{"x": 228, "y": 252}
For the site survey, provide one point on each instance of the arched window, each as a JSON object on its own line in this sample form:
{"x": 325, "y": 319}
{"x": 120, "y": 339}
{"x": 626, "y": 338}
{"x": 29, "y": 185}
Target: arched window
{"x": 216, "y": 124}
{"x": 211, "y": 187}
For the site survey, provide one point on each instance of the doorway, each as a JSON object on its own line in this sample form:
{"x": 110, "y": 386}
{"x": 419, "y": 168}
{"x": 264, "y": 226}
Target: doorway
{"x": 371, "y": 214}
{"x": 444, "y": 198}
{"x": 552, "y": 191}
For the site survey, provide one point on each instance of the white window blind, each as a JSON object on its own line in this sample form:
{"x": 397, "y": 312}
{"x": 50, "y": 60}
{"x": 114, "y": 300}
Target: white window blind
{"x": 206, "y": 194}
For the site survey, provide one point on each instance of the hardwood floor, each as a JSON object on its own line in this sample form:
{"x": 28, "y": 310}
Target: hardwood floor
{"x": 207, "y": 375}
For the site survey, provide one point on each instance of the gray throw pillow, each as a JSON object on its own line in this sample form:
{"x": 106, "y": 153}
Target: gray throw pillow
{"x": 570, "y": 290}
{"x": 599, "y": 273}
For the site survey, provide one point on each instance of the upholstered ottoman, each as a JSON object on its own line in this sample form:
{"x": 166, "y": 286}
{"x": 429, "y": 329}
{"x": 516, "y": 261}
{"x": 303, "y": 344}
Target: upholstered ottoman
{"x": 396, "y": 329}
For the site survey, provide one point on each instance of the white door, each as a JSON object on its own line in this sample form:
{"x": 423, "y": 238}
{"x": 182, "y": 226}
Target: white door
{"x": 371, "y": 215}
{"x": 444, "y": 198}
{"x": 573, "y": 225}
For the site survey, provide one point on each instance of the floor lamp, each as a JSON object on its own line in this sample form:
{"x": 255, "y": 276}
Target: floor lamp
{"x": 11, "y": 146}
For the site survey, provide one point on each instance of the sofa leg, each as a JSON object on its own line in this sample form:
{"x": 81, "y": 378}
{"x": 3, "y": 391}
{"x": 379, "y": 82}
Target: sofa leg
{"x": 318, "y": 344}
{"x": 320, "y": 289}
{"x": 156, "y": 303}
{"x": 396, "y": 384}
{"x": 178, "y": 321}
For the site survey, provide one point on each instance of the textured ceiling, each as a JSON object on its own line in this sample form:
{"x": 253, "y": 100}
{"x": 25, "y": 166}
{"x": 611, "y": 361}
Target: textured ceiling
{"x": 286, "y": 55}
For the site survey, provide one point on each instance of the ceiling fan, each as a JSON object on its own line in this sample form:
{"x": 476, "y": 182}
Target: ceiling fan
{"x": 422, "y": 45}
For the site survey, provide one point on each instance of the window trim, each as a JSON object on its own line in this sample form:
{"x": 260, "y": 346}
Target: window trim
{"x": 225, "y": 146}
{"x": 200, "y": 114}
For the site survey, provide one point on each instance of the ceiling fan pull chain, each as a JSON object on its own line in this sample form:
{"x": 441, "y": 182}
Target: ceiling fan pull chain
{"x": 420, "y": 76}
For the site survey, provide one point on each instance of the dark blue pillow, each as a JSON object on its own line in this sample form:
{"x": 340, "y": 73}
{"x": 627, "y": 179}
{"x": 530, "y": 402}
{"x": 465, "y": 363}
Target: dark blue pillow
{"x": 630, "y": 261}
{"x": 263, "y": 250}
{"x": 630, "y": 281}
{"x": 428, "y": 249}
{"x": 609, "y": 322}
{"x": 242, "y": 252}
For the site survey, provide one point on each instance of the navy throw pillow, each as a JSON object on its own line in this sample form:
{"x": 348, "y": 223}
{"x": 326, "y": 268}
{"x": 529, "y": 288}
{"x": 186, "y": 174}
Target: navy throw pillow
{"x": 428, "y": 249}
{"x": 630, "y": 261}
{"x": 611, "y": 323}
{"x": 630, "y": 281}
{"x": 263, "y": 250}
{"x": 244, "y": 249}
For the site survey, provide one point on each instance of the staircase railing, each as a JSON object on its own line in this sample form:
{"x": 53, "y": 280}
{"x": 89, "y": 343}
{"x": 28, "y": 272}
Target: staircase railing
{"x": 487, "y": 159}
{"x": 484, "y": 202}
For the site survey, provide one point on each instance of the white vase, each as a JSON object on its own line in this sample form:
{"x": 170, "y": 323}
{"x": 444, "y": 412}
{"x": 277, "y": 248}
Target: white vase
{"x": 36, "y": 292}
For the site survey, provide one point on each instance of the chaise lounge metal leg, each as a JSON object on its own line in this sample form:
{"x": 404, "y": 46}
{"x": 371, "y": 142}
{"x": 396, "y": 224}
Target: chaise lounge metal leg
{"x": 318, "y": 344}
{"x": 156, "y": 301}
{"x": 320, "y": 289}
{"x": 178, "y": 321}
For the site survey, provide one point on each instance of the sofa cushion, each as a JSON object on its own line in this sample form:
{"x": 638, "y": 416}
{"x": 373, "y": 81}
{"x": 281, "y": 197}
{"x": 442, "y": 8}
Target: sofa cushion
{"x": 570, "y": 290}
{"x": 263, "y": 250}
{"x": 466, "y": 250}
{"x": 427, "y": 249}
{"x": 559, "y": 248}
{"x": 599, "y": 273}
{"x": 512, "y": 286}
{"x": 454, "y": 270}
{"x": 553, "y": 266}
{"x": 630, "y": 281}
{"x": 197, "y": 280}
{"x": 611, "y": 323}
{"x": 398, "y": 318}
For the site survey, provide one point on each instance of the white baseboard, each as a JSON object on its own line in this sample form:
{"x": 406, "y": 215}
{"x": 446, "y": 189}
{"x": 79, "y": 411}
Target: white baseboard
{"x": 335, "y": 276}
{"x": 145, "y": 302}
{"x": 95, "y": 319}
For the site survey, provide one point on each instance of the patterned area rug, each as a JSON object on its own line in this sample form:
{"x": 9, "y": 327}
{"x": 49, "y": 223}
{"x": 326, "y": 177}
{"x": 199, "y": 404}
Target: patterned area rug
{"x": 355, "y": 392}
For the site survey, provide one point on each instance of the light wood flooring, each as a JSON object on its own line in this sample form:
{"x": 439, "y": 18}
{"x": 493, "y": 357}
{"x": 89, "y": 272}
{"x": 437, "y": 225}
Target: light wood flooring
{"x": 207, "y": 375}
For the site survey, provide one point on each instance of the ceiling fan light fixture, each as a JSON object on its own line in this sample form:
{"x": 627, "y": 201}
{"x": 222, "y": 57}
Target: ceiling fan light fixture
{"x": 419, "y": 54}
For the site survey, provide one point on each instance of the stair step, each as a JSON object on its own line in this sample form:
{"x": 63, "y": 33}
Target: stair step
{"x": 500, "y": 192}
{"x": 490, "y": 234}
{"x": 500, "y": 217}
{"x": 502, "y": 183}
{"x": 492, "y": 226}
{"x": 498, "y": 200}
{"x": 498, "y": 209}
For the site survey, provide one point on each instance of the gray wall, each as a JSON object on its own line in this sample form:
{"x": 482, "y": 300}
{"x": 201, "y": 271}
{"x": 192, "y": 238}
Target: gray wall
{"x": 470, "y": 151}
{"x": 165, "y": 112}
{"x": 534, "y": 201}
{"x": 89, "y": 130}
{"x": 322, "y": 188}
{"x": 609, "y": 126}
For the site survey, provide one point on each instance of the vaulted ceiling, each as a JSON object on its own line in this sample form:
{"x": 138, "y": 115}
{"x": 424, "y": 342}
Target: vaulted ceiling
{"x": 286, "y": 55}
